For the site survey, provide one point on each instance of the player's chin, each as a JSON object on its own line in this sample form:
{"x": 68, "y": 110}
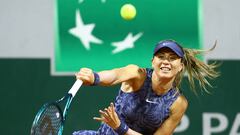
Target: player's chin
{"x": 164, "y": 75}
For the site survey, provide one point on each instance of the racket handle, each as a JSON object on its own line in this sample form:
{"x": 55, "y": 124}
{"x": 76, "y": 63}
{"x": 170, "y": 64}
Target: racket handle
{"x": 75, "y": 87}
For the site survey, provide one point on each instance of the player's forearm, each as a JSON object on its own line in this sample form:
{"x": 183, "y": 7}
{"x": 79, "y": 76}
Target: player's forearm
{"x": 118, "y": 75}
{"x": 108, "y": 78}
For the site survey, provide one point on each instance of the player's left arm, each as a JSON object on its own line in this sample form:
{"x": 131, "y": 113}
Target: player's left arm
{"x": 178, "y": 109}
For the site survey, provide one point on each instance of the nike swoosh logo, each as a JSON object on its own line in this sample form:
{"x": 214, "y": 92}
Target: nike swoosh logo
{"x": 147, "y": 100}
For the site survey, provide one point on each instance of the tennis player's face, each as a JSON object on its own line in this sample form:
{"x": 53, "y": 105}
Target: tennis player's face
{"x": 166, "y": 64}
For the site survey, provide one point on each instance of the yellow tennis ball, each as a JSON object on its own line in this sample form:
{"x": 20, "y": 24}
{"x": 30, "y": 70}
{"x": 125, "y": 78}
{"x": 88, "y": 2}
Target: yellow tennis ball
{"x": 128, "y": 12}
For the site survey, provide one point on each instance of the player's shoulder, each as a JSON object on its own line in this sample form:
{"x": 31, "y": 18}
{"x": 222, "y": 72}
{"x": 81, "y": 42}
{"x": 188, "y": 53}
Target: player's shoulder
{"x": 180, "y": 104}
{"x": 182, "y": 100}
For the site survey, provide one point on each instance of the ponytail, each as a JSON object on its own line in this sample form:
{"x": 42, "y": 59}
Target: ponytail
{"x": 197, "y": 69}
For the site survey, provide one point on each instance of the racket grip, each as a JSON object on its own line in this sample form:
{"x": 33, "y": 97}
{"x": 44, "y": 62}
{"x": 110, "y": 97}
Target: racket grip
{"x": 75, "y": 87}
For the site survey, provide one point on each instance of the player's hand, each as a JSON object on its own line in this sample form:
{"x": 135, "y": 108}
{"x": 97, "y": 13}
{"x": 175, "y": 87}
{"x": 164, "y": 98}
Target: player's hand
{"x": 109, "y": 116}
{"x": 86, "y": 75}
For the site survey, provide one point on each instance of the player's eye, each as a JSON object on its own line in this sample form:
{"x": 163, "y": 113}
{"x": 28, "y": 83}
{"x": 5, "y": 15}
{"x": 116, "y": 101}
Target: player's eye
{"x": 169, "y": 58}
{"x": 161, "y": 57}
{"x": 173, "y": 57}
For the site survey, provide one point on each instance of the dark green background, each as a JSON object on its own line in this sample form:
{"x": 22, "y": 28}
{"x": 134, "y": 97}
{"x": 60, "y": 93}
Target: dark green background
{"x": 26, "y": 84}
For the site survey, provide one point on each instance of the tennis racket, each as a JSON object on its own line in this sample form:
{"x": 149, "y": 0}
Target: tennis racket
{"x": 50, "y": 118}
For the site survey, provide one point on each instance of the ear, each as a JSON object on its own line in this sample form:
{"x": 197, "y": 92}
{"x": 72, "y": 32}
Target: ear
{"x": 181, "y": 67}
{"x": 152, "y": 62}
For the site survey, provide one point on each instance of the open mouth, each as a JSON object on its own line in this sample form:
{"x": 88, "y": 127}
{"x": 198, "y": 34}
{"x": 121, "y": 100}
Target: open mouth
{"x": 165, "y": 68}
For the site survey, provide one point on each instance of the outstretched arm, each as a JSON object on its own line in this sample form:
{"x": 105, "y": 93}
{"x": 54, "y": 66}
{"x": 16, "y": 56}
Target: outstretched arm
{"x": 109, "y": 77}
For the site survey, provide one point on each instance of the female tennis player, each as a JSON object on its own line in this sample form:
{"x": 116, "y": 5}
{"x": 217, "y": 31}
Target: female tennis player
{"x": 149, "y": 100}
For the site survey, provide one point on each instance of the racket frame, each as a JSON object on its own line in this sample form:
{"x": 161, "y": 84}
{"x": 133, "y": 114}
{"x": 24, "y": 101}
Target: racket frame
{"x": 63, "y": 112}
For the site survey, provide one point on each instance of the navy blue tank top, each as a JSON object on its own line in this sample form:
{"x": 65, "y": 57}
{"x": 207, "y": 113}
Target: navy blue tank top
{"x": 143, "y": 111}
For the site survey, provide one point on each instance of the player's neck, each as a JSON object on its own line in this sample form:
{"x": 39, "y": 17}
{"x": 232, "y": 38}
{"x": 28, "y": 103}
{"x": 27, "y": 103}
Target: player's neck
{"x": 161, "y": 86}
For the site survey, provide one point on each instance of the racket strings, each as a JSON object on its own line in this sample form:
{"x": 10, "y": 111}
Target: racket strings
{"x": 49, "y": 121}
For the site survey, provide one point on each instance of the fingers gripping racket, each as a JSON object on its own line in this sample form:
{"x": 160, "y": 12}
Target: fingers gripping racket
{"x": 50, "y": 118}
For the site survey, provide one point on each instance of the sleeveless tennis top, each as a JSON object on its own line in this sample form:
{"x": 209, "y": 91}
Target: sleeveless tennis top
{"x": 143, "y": 111}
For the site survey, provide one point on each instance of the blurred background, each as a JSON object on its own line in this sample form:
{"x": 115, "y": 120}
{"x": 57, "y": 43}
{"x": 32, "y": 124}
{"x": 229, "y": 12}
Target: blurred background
{"x": 39, "y": 56}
